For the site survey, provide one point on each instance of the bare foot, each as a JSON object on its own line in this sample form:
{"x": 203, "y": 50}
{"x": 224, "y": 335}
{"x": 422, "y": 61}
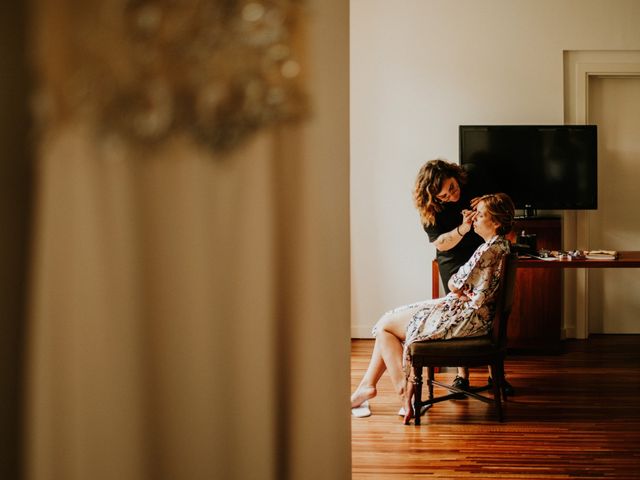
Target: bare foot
{"x": 408, "y": 416}
{"x": 361, "y": 395}
{"x": 408, "y": 404}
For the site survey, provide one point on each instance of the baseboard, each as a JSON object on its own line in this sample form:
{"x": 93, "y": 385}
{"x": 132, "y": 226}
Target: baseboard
{"x": 361, "y": 331}
{"x": 570, "y": 332}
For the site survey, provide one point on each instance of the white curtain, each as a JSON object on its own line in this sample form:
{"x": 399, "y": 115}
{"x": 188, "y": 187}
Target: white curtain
{"x": 190, "y": 313}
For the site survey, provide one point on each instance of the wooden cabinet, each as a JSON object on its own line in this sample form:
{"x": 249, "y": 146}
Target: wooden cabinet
{"x": 536, "y": 318}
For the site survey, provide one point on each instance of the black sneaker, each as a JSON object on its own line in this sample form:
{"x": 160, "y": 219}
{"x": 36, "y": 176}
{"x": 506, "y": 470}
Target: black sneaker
{"x": 507, "y": 388}
{"x": 462, "y": 384}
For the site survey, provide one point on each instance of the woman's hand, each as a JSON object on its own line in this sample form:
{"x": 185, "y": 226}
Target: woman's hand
{"x": 467, "y": 221}
{"x": 461, "y": 293}
{"x": 448, "y": 240}
{"x": 474, "y": 202}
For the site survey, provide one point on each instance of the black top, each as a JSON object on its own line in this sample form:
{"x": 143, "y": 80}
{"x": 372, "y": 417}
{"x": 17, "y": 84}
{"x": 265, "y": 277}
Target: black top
{"x": 448, "y": 219}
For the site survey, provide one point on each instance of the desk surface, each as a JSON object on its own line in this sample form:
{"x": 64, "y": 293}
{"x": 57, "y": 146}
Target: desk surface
{"x": 626, "y": 259}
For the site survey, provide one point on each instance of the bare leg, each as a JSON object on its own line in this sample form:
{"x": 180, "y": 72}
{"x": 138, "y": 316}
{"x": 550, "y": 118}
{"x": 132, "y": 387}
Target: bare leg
{"x": 392, "y": 356}
{"x": 367, "y": 388}
{"x": 463, "y": 372}
{"x": 408, "y": 403}
{"x": 386, "y": 355}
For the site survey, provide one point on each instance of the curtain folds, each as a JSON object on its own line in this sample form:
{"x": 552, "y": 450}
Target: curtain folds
{"x": 153, "y": 315}
{"x": 183, "y": 304}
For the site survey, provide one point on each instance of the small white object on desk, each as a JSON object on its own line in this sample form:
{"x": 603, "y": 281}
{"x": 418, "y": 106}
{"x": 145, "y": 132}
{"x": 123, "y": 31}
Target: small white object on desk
{"x": 601, "y": 254}
{"x": 545, "y": 255}
{"x": 548, "y": 259}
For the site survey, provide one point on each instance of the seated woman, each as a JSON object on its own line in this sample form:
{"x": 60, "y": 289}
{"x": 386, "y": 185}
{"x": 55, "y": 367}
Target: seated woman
{"x": 465, "y": 312}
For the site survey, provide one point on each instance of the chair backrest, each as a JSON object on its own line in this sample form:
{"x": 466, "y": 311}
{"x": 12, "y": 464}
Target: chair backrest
{"x": 505, "y": 300}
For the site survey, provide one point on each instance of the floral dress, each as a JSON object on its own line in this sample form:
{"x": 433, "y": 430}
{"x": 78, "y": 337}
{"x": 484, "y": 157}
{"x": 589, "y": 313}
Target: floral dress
{"x": 455, "y": 317}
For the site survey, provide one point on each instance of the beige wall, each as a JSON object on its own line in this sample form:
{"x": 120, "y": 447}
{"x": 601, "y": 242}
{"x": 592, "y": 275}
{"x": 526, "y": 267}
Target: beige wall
{"x": 419, "y": 71}
{"x": 319, "y": 437}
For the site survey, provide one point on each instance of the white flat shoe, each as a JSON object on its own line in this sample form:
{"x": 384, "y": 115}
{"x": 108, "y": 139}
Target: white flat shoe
{"x": 362, "y": 411}
{"x": 423, "y": 409}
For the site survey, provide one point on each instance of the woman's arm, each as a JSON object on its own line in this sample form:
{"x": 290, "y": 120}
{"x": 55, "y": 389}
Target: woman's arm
{"x": 479, "y": 277}
{"x": 448, "y": 240}
{"x": 461, "y": 293}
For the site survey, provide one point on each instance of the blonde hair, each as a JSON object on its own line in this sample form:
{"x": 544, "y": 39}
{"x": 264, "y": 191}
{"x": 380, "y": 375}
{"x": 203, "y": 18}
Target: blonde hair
{"x": 428, "y": 184}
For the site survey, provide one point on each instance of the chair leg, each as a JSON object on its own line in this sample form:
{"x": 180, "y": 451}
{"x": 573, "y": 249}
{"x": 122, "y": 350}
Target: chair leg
{"x": 497, "y": 373}
{"x": 431, "y": 376}
{"x": 417, "y": 393}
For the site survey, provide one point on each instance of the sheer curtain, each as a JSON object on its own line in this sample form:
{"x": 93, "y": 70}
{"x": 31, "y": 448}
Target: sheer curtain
{"x": 189, "y": 310}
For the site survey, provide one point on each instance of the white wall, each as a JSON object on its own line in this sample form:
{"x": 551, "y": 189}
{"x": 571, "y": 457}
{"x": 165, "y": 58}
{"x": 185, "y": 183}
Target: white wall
{"x": 419, "y": 69}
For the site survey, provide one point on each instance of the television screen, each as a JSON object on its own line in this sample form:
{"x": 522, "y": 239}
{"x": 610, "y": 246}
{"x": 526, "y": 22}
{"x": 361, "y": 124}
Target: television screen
{"x": 540, "y": 166}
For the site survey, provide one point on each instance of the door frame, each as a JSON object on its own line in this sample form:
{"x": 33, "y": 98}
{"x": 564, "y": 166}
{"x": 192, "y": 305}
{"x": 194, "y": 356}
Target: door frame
{"x": 579, "y": 68}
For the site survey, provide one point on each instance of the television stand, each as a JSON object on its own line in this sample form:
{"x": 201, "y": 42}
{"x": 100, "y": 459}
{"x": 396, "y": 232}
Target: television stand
{"x": 535, "y": 324}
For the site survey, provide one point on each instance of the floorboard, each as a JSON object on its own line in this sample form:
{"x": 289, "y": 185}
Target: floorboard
{"x": 575, "y": 415}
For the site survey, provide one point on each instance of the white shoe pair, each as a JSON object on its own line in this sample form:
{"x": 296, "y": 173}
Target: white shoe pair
{"x": 364, "y": 411}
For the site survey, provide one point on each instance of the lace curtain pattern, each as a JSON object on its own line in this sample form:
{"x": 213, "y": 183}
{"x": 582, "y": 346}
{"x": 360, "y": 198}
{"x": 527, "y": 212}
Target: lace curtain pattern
{"x": 147, "y": 69}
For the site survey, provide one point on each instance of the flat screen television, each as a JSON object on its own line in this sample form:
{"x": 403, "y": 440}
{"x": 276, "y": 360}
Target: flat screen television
{"x": 548, "y": 167}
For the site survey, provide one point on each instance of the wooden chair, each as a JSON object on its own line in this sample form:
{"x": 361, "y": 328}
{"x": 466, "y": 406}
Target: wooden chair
{"x": 469, "y": 352}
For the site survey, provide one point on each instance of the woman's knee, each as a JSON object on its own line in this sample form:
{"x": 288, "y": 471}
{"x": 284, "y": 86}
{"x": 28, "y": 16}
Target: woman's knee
{"x": 382, "y": 322}
{"x": 393, "y": 324}
{"x": 386, "y": 320}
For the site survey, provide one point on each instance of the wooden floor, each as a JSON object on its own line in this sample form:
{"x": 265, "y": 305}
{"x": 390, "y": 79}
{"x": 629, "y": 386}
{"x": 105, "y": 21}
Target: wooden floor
{"x": 575, "y": 415}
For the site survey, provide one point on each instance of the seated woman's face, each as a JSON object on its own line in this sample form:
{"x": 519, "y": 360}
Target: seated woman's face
{"x": 484, "y": 224}
{"x": 450, "y": 191}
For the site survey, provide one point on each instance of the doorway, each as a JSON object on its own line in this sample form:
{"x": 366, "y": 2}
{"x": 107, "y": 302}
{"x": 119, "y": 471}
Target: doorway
{"x": 614, "y": 105}
{"x": 601, "y": 88}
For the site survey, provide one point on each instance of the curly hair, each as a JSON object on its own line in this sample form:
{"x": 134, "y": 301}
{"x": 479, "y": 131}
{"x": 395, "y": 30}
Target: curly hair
{"x": 428, "y": 184}
{"x": 500, "y": 208}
